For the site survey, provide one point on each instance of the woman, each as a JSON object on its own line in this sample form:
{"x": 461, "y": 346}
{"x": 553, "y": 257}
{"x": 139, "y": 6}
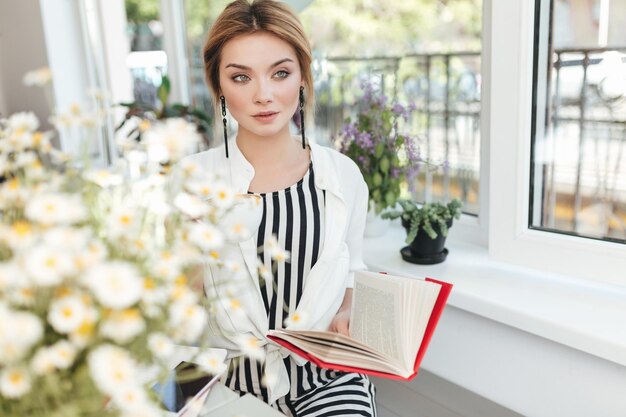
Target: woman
{"x": 257, "y": 64}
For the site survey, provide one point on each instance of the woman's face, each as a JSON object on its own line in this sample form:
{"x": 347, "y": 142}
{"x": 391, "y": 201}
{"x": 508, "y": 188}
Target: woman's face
{"x": 260, "y": 79}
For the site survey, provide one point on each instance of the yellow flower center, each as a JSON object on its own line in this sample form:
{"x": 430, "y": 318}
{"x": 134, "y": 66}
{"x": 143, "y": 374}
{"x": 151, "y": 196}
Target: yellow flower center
{"x": 75, "y": 109}
{"x": 214, "y": 255}
{"x": 85, "y": 329}
{"x": 21, "y": 228}
{"x": 190, "y": 312}
{"x": 144, "y": 125}
{"x": 181, "y": 279}
{"x": 125, "y": 219}
{"x": 67, "y": 312}
{"x": 37, "y": 136}
{"x": 62, "y": 292}
{"x": 235, "y": 303}
{"x": 50, "y": 263}
{"x": 16, "y": 377}
{"x": 130, "y": 314}
{"x": 149, "y": 284}
{"x": 13, "y": 184}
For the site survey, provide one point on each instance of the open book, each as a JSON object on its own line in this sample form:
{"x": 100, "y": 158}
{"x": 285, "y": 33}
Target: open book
{"x": 393, "y": 319}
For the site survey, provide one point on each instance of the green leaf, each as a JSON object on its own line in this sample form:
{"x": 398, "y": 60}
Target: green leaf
{"x": 163, "y": 91}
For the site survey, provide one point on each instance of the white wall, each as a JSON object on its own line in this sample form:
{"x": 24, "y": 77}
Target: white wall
{"x": 22, "y": 49}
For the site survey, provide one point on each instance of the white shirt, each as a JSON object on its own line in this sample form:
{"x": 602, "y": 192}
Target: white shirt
{"x": 345, "y": 213}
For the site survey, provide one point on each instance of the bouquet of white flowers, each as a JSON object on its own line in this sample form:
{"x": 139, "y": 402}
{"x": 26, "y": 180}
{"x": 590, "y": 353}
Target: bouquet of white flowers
{"x": 96, "y": 269}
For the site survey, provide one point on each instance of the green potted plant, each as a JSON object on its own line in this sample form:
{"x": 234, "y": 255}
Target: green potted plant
{"x": 386, "y": 155}
{"x": 427, "y": 227}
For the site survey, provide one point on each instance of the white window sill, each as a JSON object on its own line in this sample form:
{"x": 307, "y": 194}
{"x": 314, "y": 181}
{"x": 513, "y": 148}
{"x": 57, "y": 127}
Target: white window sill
{"x": 584, "y": 315}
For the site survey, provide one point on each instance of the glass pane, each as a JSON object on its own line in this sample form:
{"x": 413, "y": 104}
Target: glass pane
{"x": 578, "y": 174}
{"x": 147, "y": 60}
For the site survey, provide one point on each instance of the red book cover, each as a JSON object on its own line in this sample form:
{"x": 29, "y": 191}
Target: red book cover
{"x": 440, "y": 303}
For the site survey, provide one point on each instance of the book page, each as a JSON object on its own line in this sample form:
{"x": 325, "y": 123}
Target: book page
{"x": 322, "y": 346}
{"x": 375, "y": 319}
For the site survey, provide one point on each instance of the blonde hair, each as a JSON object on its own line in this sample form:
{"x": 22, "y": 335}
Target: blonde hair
{"x": 243, "y": 17}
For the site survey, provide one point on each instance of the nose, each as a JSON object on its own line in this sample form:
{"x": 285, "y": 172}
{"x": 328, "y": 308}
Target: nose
{"x": 263, "y": 93}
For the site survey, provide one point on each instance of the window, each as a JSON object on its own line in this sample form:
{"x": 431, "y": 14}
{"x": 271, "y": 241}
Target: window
{"x": 513, "y": 39}
{"x": 578, "y": 172}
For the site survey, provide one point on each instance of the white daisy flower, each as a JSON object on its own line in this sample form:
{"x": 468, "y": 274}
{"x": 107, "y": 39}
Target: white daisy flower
{"x": 212, "y": 361}
{"x": 47, "y": 265}
{"x": 22, "y": 295}
{"x": 123, "y": 326}
{"x": 12, "y": 192}
{"x": 168, "y": 266}
{"x": 122, "y": 222}
{"x": 14, "y": 382}
{"x": 10, "y": 275}
{"x": 23, "y": 121}
{"x": 203, "y": 187}
{"x": 170, "y": 141}
{"x": 90, "y": 255}
{"x": 42, "y": 363}
{"x": 63, "y": 354}
{"x": 29, "y": 329}
{"x": 56, "y": 208}
{"x": 191, "y": 205}
{"x": 83, "y": 334}
{"x": 296, "y": 321}
{"x": 273, "y": 249}
{"x": 223, "y": 196}
{"x": 153, "y": 294}
{"x": 130, "y": 398}
{"x": 103, "y": 178}
{"x": 190, "y": 168}
{"x": 35, "y": 171}
{"x": 67, "y": 314}
{"x": 25, "y": 158}
{"x": 115, "y": 284}
{"x": 188, "y": 321}
{"x": 112, "y": 368}
{"x": 19, "y": 331}
{"x": 20, "y": 235}
{"x": 251, "y": 346}
{"x": 237, "y": 231}
{"x": 69, "y": 238}
{"x": 207, "y": 237}
{"x": 160, "y": 345}
{"x": 38, "y": 77}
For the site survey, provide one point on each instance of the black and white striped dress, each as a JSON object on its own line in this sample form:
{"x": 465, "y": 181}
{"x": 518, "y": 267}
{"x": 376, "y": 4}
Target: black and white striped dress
{"x": 295, "y": 216}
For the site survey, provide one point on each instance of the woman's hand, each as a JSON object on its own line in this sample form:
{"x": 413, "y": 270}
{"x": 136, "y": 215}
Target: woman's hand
{"x": 341, "y": 321}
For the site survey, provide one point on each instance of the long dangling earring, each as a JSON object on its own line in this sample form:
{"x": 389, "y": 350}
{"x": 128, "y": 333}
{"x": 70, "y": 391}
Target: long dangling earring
{"x": 223, "y": 101}
{"x": 302, "y": 115}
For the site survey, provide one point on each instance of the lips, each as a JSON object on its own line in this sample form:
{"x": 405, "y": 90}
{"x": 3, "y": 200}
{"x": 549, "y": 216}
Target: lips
{"x": 266, "y": 116}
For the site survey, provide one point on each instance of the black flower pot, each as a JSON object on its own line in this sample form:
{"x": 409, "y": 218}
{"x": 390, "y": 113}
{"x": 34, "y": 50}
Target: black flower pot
{"x": 424, "y": 250}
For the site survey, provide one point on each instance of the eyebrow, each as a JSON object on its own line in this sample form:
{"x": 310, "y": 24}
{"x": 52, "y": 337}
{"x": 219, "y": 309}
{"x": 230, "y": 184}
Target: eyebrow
{"x": 243, "y": 67}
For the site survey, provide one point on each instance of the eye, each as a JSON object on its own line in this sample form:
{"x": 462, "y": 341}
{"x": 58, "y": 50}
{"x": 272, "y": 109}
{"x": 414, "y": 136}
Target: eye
{"x": 241, "y": 78}
{"x": 282, "y": 74}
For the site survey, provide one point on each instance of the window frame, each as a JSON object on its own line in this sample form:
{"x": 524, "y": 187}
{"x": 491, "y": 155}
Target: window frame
{"x": 510, "y": 111}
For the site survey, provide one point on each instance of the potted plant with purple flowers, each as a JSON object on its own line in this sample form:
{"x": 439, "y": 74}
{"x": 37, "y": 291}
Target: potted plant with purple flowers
{"x": 386, "y": 155}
